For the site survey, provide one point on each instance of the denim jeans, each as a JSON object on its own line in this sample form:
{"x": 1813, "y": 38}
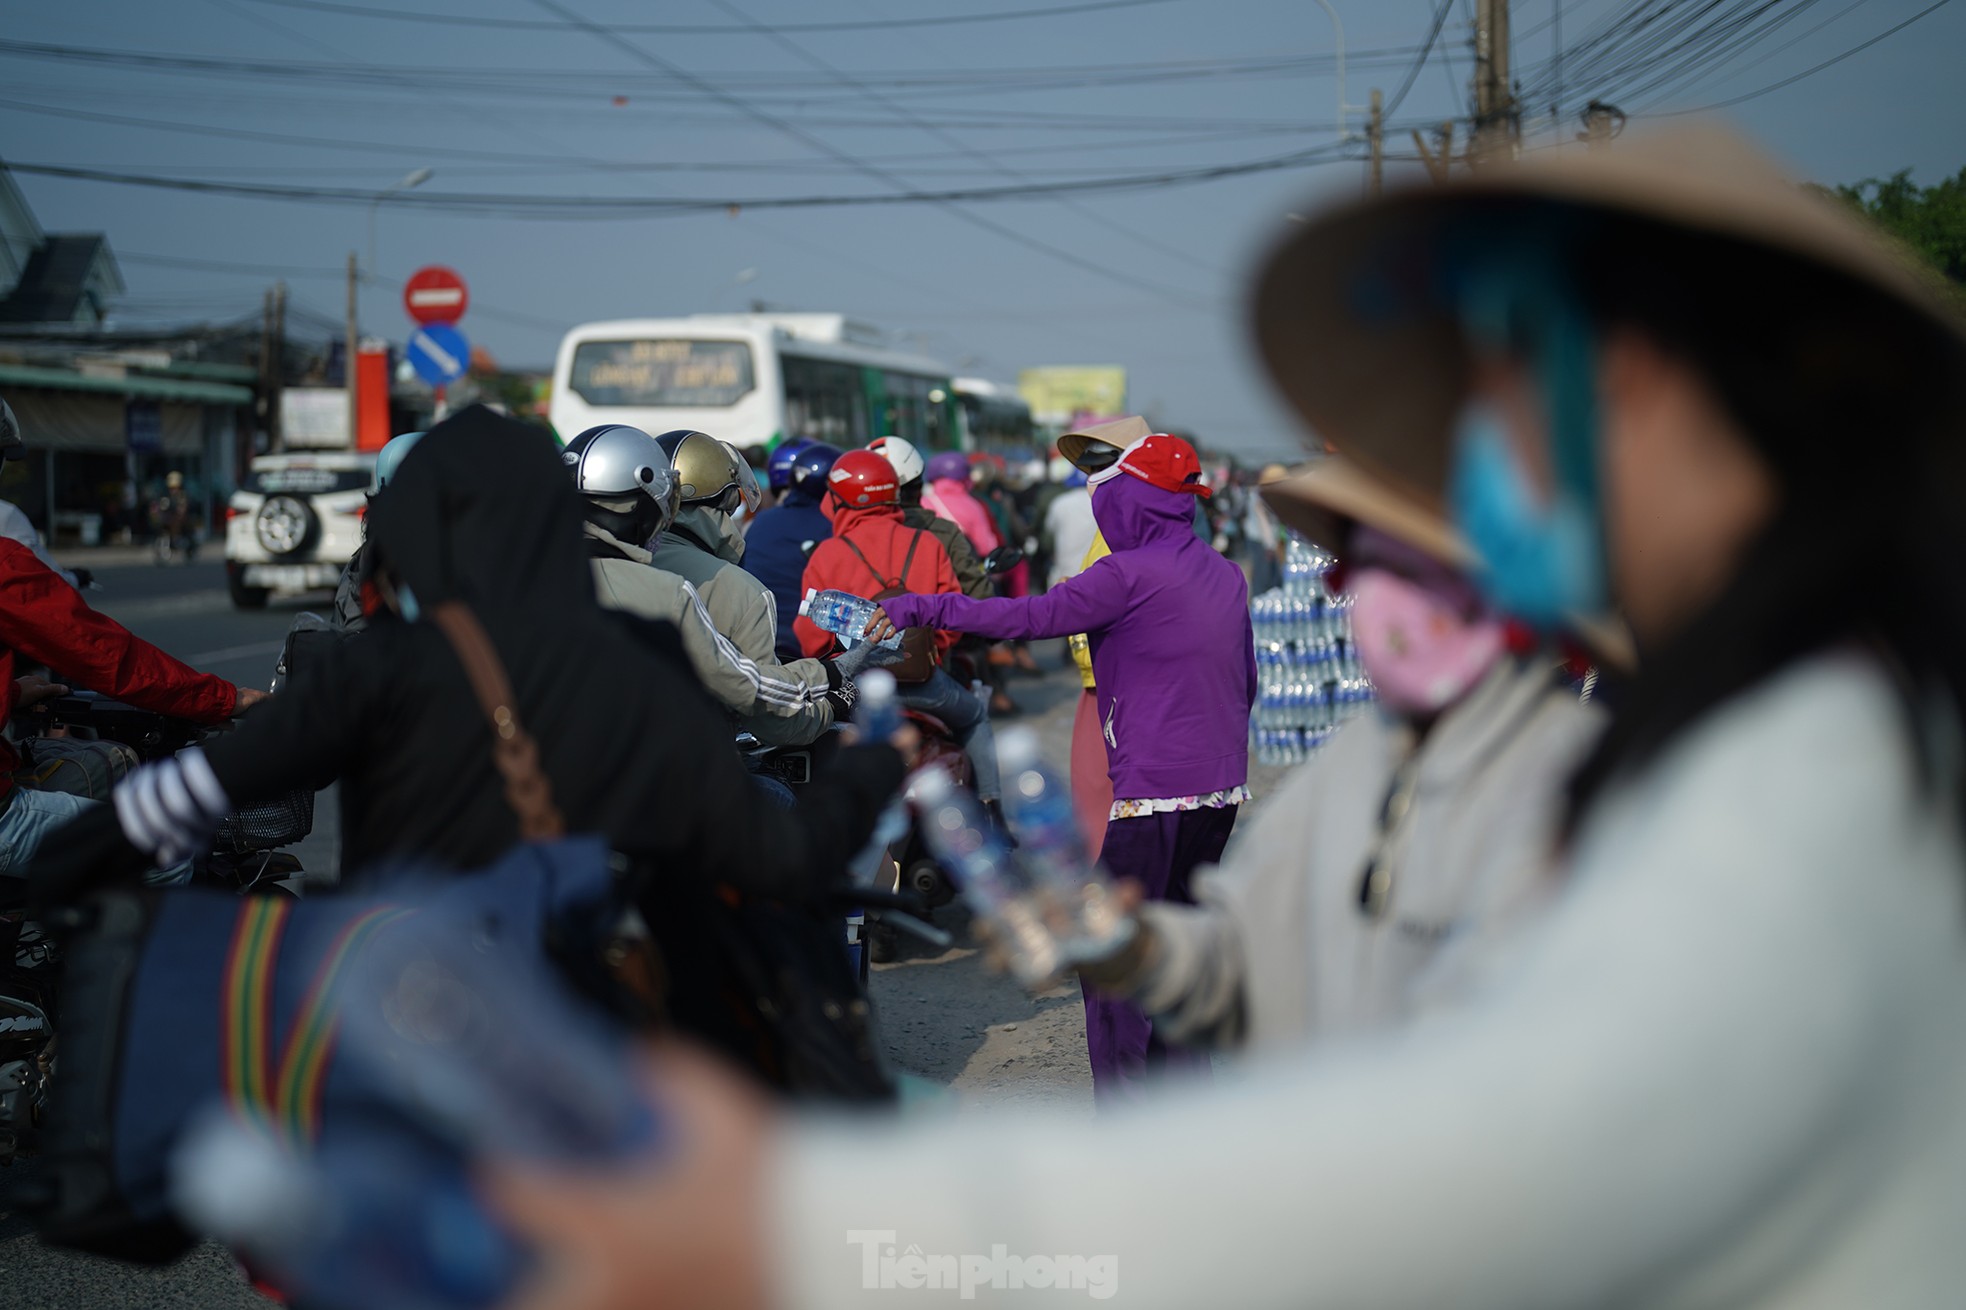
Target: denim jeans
{"x": 968, "y": 716}
{"x": 31, "y": 815}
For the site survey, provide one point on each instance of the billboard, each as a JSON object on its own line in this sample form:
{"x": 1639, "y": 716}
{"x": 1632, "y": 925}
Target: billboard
{"x": 1058, "y": 395}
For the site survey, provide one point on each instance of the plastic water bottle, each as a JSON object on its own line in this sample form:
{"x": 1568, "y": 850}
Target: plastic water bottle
{"x": 478, "y": 1051}
{"x": 1088, "y": 920}
{"x": 968, "y": 846}
{"x": 878, "y": 715}
{"x": 843, "y": 615}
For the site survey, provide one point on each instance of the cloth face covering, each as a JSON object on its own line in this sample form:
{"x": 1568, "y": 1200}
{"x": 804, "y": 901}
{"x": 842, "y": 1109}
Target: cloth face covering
{"x": 1420, "y": 651}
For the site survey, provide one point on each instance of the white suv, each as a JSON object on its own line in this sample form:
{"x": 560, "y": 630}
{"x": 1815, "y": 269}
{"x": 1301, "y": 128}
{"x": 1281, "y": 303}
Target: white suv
{"x": 295, "y": 523}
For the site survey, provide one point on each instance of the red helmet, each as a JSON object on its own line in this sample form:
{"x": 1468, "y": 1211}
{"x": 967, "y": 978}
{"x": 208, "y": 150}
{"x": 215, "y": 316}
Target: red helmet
{"x": 860, "y": 478}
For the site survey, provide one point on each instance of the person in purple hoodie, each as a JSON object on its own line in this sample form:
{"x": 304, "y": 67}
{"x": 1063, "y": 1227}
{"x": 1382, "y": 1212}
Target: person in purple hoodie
{"x": 1175, "y": 661}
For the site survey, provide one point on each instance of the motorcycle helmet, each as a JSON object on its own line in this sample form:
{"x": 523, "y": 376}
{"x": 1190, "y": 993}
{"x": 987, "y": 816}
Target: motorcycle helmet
{"x": 778, "y": 469}
{"x": 12, "y": 444}
{"x": 623, "y": 475}
{"x": 749, "y": 494}
{"x": 706, "y": 469}
{"x": 390, "y": 458}
{"x": 902, "y": 454}
{"x": 949, "y": 464}
{"x": 809, "y": 470}
{"x": 861, "y": 478}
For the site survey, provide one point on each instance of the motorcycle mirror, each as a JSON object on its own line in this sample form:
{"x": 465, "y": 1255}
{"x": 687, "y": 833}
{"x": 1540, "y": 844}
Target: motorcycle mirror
{"x": 1002, "y": 560}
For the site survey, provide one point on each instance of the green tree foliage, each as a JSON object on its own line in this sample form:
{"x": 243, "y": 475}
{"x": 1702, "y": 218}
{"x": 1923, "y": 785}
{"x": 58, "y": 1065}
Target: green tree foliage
{"x": 1931, "y": 220}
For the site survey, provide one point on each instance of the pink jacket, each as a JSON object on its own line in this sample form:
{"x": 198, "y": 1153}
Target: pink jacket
{"x": 950, "y": 498}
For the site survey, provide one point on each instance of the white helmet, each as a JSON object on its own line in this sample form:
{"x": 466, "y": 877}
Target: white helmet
{"x": 907, "y": 461}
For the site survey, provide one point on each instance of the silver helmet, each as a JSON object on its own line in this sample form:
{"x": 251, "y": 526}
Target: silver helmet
{"x": 625, "y": 476}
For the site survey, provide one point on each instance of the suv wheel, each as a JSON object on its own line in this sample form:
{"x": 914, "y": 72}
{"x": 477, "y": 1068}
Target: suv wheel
{"x": 285, "y": 525}
{"x": 244, "y": 597}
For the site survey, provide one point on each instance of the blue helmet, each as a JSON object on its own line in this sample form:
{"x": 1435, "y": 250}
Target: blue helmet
{"x": 778, "y": 469}
{"x": 810, "y": 467}
{"x": 390, "y": 457}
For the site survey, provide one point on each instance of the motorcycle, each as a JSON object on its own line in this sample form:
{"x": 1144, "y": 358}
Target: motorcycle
{"x": 244, "y": 856}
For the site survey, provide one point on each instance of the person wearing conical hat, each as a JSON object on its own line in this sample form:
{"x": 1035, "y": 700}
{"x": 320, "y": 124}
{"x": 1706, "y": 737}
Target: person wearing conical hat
{"x": 1417, "y": 835}
{"x": 1725, "y": 1066}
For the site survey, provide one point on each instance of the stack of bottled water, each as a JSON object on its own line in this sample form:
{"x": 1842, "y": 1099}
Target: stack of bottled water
{"x": 1308, "y": 674}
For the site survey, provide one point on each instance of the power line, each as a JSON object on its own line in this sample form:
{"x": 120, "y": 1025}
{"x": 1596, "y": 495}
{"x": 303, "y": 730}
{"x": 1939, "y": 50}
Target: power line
{"x": 1812, "y": 71}
{"x": 946, "y": 202}
{"x": 958, "y": 144}
{"x": 1426, "y": 48}
{"x": 519, "y": 160}
{"x": 551, "y": 207}
{"x": 676, "y": 29}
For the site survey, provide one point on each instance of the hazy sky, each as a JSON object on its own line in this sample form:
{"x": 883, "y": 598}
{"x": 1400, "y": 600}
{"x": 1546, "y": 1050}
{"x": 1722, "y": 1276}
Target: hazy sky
{"x": 1154, "y": 281}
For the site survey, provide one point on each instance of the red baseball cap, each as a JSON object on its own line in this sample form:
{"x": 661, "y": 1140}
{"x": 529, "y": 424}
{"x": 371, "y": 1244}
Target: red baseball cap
{"x": 1159, "y": 460}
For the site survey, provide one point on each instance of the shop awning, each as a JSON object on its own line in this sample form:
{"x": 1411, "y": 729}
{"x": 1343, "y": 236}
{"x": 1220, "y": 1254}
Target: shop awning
{"x": 140, "y": 386}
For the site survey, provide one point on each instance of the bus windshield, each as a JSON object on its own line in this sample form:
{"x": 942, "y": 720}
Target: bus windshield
{"x": 664, "y": 373}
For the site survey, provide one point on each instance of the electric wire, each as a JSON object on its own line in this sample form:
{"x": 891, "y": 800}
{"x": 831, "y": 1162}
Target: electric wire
{"x": 678, "y": 29}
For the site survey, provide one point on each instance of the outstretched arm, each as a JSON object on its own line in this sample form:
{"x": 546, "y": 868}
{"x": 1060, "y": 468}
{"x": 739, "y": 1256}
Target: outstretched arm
{"x": 1095, "y": 599}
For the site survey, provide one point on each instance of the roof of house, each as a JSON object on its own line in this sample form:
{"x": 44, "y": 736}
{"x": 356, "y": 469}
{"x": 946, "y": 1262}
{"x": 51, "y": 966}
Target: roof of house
{"x": 124, "y": 384}
{"x": 54, "y": 285}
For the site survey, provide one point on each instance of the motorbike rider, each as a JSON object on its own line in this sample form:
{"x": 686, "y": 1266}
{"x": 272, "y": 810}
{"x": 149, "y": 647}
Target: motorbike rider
{"x": 13, "y": 522}
{"x": 628, "y": 495}
{"x": 782, "y": 537}
{"x": 704, "y": 543}
{"x": 872, "y": 550}
{"x": 482, "y": 513}
{"x": 908, "y": 466}
{"x": 44, "y": 620}
{"x": 350, "y": 609}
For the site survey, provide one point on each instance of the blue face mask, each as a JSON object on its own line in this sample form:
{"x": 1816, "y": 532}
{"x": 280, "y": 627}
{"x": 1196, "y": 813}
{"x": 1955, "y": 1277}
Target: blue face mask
{"x": 406, "y": 604}
{"x": 1541, "y": 560}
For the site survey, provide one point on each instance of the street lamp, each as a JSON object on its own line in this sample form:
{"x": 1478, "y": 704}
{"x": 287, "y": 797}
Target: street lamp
{"x": 415, "y": 179}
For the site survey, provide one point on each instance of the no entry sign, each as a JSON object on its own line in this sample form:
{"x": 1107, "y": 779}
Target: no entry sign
{"x": 435, "y": 295}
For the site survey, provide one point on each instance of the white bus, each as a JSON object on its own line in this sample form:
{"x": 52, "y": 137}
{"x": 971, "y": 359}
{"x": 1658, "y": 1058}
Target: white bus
{"x": 752, "y": 380}
{"x": 994, "y": 417}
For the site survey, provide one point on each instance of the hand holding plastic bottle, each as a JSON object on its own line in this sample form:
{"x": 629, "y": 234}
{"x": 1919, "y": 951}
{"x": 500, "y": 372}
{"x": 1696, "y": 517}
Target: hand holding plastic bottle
{"x": 685, "y": 1230}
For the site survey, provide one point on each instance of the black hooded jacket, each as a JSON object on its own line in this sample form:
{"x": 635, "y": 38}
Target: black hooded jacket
{"x": 482, "y": 512}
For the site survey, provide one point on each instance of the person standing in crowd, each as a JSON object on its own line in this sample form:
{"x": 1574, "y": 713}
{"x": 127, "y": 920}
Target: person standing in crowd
{"x": 779, "y": 543}
{"x": 1724, "y": 1068}
{"x": 1418, "y": 835}
{"x": 1093, "y": 450}
{"x": 1171, "y": 645}
{"x": 1069, "y": 529}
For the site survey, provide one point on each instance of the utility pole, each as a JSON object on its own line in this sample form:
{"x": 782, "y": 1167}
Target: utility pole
{"x": 1494, "y": 125}
{"x": 1375, "y": 135}
{"x": 276, "y": 423}
{"x": 348, "y": 371}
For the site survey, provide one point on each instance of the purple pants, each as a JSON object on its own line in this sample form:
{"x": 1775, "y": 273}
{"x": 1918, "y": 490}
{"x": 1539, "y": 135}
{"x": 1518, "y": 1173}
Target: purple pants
{"x": 1160, "y": 852}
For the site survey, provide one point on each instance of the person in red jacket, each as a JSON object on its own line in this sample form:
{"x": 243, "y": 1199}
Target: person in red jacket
{"x": 872, "y": 550}
{"x": 44, "y": 620}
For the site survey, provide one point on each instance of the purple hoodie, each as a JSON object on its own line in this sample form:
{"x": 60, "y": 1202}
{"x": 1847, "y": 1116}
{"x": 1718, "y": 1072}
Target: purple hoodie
{"x": 1171, "y": 642}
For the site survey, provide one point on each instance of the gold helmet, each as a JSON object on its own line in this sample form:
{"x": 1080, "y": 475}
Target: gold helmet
{"x": 708, "y": 471}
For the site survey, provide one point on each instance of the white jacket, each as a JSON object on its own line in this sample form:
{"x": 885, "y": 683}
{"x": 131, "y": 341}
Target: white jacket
{"x": 1726, "y": 1069}
{"x": 1461, "y": 828}
{"x": 780, "y": 704}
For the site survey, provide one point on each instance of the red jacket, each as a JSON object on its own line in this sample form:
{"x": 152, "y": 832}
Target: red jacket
{"x": 885, "y": 540}
{"x": 45, "y": 620}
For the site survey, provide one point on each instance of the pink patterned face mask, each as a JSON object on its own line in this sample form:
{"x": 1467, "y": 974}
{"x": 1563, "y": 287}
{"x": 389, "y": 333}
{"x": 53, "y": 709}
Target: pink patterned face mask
{"x": 1420, "y": 653}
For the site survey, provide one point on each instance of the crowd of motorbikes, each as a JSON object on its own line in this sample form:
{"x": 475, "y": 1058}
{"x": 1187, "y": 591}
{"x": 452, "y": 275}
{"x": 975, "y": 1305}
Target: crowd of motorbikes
{"x": 251, "y": 853}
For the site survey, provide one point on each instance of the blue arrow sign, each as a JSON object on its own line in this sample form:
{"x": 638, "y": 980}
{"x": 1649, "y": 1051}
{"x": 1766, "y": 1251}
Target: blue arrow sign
{"x": 439, "y": 353}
